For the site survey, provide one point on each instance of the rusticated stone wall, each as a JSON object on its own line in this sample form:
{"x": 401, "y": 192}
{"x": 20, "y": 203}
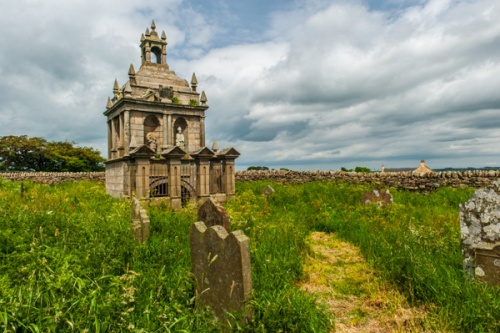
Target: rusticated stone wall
{"x": 53, "y": 177}
{"x": 402, "y": 180}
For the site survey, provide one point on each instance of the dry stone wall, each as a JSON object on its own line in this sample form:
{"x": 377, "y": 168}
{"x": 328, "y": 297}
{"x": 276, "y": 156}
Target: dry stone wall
{"x": 401, "y": 180}
{"x": 53, "y": 177}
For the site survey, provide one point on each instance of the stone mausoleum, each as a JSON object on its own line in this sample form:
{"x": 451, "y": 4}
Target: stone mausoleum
{"x": 156, "y": 135}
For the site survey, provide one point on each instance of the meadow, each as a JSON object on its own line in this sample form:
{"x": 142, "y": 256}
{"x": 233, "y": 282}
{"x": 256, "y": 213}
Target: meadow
{"x": 69, "y": 262}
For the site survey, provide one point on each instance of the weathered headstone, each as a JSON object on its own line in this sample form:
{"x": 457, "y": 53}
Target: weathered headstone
{"x": 139, "y": 221}
{"x": 268, "y": 190}
{"x": 377, "y": 197}
{"x": 480, "y": 228}
{"x": 221, "y": 267}
{"x": 212, "y": 213}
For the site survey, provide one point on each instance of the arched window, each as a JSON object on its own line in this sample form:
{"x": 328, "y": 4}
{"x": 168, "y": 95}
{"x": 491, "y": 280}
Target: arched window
{"x": 156, "y": 55}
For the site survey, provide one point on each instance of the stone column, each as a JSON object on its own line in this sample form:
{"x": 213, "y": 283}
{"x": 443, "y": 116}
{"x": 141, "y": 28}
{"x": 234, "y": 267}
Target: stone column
{"x": 110, "y": 139}
{"x": 228, "y": 179}
{"x": 113, "y": 138}
{"x": 170, "y": 133}
{"x": 215, "y": 173}
{"x": 174, "y": 182}
{"x": 142, "y": 177}
{"x": 173, "y": 157}
{"x": 165, "y": 131}
{"x": 202, "y": 131}
{"x": 202, "y": 161}
{"x": 164, "y": 54}
{"x": 126, "y": 136}
{"x": 121, "y": 135}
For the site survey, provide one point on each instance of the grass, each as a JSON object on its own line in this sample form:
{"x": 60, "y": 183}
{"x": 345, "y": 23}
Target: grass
{"x": 68, "y": 261}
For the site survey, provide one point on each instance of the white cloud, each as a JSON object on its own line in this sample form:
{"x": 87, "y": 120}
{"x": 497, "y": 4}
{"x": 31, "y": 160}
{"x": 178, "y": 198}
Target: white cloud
{"x": 326, "y": 83}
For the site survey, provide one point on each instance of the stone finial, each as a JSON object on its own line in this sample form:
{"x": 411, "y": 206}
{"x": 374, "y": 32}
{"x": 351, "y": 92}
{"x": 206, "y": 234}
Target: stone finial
{"x": 153, "y": 25}
{"x": 116, "y": 87}
{"x": 215, "y": 146}
{"x": 163, "y": 35}
{"x": 147, "y": 32}
{"x": 128, "y": 89}
{"x": 194, "y": 82}
{"x": 131, "y": 70}
{"x": 203, "y": 98}
{"x": 142, "y": 38}
{"x": 109, "y": 104}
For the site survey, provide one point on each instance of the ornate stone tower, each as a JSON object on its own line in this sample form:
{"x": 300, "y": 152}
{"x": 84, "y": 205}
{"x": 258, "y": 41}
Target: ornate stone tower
{"x": 156, "y": 134}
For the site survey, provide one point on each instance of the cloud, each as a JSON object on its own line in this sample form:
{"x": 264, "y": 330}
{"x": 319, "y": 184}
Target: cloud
{"x": 372, "y": 86}
{"x": 318, "y": 84}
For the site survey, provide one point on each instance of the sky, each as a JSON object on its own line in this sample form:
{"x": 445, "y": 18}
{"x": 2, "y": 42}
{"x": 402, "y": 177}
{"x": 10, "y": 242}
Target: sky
{"x": 297, "y": 84}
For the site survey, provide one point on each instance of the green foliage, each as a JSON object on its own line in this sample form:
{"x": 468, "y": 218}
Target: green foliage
{"x": 21, "y": 153}
{"x": 257, "y": 168}
{"x": 68, "y": 261}
{"x": 175, "y": 100}
{"x": 357, "y": 169}
{"x": 193, "y": 102}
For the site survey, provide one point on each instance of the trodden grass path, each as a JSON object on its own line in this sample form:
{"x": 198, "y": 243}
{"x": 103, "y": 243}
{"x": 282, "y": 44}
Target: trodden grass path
{"x": 358, "y": 300}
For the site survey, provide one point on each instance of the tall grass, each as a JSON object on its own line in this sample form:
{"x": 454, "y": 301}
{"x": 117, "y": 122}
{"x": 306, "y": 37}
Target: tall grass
{"x": 68, "y": 261}
{"x": 414, "y": 243}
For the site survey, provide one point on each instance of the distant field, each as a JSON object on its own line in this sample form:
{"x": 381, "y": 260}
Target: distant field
{"x": 69, "y": 263}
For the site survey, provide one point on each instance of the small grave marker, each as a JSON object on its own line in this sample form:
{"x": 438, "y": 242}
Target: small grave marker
{"x": 139, "y": 221}
{"x": 480, "y": 228}
{"x": 377, "y": 197}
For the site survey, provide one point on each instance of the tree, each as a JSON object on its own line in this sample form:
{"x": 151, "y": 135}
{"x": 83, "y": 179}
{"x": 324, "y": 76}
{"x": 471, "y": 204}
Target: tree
{"x": 21, "y": 153}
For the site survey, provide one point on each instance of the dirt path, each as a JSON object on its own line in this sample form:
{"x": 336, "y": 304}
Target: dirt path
{"x": 358, "y": 300}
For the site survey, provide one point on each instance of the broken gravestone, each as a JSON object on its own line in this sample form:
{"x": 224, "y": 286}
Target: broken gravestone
{"x": 139, "y": 221}
{"x": 212, "y": 213}
{"x": 377, "y": 197}
{"x": 221, "y": 267}
{"x": 480, "y": 228}
{"x": 268, "y": 191}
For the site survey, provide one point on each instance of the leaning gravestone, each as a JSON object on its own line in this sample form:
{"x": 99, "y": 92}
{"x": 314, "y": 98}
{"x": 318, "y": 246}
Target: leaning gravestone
{"x": 221, "y": 267}
{"x": 212, "y": 213}
{"x": 268, "y": 190}
{"x": 377, "y": 197}
{"x": 480, "y": 228}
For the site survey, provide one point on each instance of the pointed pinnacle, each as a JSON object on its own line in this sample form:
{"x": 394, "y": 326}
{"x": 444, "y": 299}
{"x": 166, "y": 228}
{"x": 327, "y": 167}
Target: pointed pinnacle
{"x": 131, "y": 70}
{"x": 193, "y": 80}
{"x": 163, "y": 35}
{"x": 109, "y": 104}
{"x": 116, "y": 87}
{"x": 203, "y": 98}
{"x": 128, "y": 88}
{"x": 153, "y": 25}
{"x": 142, "y": 38}
{"x": 215, "y": 146}
{"x": 147, "y": 32}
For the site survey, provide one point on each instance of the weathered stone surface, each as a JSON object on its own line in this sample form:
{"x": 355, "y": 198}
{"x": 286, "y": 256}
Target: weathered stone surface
{"x": 221, "y": 267}
{"x": 480, "y": 228}
{"x": 377, "y": 197}
{"x": 268, "y": 190}
{"x": 139, "y": 221}
{"x": 212, "y": 213}
{"x": 401, "y": 180}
